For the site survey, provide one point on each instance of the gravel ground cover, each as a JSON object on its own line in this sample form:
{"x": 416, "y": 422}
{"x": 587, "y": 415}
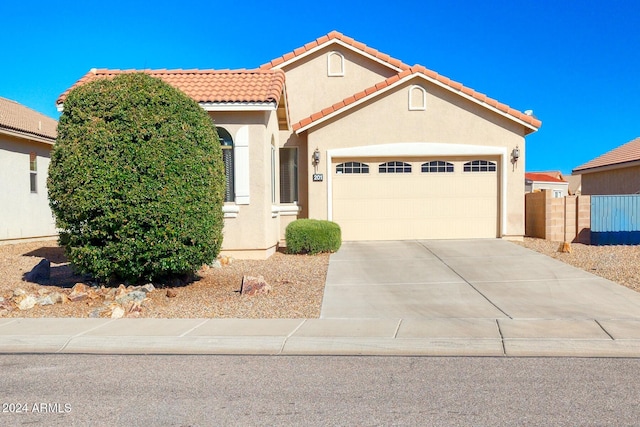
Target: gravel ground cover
{"x": 297, "y": 283}
{"x": 620, "y": 264}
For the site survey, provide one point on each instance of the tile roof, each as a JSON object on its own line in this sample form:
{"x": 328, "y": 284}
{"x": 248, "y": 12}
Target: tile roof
{"x": 334, "y": 36}
{"x": 208, "y": 85}
{"x": 625, "y": 153}
{"x": 541, "y": 177}
{"x": 17, "y": 117}
{"x": 430, "y": 75}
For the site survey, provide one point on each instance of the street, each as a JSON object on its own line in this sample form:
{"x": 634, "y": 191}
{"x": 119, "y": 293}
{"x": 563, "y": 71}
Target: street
{"x": 87, "y": 390}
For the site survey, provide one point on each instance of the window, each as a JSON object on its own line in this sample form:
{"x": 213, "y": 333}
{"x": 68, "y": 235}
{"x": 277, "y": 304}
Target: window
{"x": 273, "y": 171}
{"x": 352, "y": 167}
{"x": 437, "y": 166}
{"x": 417, "y": 98}
{"x": 288, "y": 175}
{"x": 335, "y": 64}
{"x": 557, "y": 194}
{"x": 33, "y": 172}
{"x": 394, "y": 167}
{"x": 480, "y": 166}
{"x": 227, "y": 157}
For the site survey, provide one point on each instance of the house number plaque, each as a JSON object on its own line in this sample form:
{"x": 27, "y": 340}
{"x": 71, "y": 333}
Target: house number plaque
{"x": 318, "y": 177}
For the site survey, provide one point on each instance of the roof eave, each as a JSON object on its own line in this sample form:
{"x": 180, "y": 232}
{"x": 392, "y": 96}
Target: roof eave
{"x": 239, "y": 106}
{"x": 27, "y": 135}
{"x": 604, "y": 168}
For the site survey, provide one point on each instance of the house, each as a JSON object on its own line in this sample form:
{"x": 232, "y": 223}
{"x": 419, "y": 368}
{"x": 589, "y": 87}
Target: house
{"x": 615, "y": 172}
{"x": 337, "y": 130}
{"x": 26, "y": 138}
{"x": 536, "y": 181}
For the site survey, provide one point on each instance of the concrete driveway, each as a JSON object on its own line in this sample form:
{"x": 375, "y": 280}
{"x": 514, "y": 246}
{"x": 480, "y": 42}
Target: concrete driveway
{"x": 467, "y": 279}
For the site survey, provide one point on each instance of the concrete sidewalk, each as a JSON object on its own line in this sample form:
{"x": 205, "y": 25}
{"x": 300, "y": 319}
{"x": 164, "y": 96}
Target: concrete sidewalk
{"x": 419, "y": 337}
{"x": 428, "y": 298}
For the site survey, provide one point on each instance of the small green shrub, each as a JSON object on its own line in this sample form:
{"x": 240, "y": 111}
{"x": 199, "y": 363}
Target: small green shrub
{"x": 136, "y": 180}
{"x": 312, "y": 236}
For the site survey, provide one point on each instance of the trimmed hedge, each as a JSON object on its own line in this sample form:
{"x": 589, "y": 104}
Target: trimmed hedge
{"x": 136, "y": 181}
{"x": 312, "y": 236}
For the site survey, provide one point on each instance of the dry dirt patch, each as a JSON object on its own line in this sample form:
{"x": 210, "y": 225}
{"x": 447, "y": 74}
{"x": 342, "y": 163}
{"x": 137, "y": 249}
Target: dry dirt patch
{"x": 297, "y": 283}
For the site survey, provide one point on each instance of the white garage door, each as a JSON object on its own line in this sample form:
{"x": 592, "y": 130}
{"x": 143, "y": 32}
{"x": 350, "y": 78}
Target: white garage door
{"x": 388, "y": 199}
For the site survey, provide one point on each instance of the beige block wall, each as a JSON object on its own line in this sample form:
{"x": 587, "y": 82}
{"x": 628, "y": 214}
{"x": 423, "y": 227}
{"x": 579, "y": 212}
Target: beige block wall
{"x": 254, "y": 233}
{"x": 24, "y": 215}
{"x": 447, "y": 119}
{"x": 614, "y": 181}
{"x": 566, "y": 219}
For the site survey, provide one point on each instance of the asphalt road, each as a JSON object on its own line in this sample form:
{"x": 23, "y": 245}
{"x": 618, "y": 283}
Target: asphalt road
{"x": 85, "y": 390}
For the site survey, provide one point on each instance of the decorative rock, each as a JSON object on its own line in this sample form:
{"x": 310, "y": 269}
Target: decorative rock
{"x": 59, "y": 298}
{"x": 146, "y": 288}
{"x": 27, "y": 303}
{"x": 77, "y": 297}
{"x": 117, "y": 312}
{"x": 41, "y": 272}
{"x": 45, "y": 300}
{"x": 17, "y": 292}
{"x": 216, "y": 264}
{"x": 80, "y": 288}
{"x": 171, "y": 293}
{"x": 135, "y": 296}
{"x": 254, "y": 285}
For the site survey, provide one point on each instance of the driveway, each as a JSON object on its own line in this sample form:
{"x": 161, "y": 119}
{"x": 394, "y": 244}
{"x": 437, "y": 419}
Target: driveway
{"x": 466, "y": 279}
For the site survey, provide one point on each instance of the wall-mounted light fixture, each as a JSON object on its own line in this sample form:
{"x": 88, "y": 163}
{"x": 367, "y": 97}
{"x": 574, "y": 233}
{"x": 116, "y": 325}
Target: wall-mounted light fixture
{"x": 315, "y": 159}
{"x": 515, "y": 154}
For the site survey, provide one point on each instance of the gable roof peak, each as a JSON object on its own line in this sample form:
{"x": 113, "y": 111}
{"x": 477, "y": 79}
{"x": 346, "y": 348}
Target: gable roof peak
{"x": 531, "y": 123}
{"x": 335, "y": 37}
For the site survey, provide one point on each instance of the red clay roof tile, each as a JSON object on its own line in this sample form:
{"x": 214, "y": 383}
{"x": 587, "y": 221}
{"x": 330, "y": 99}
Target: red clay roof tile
{"x": 209, "y": 85}
{"x": 625, "y": 153}
{"x": 334, "y": 35}
{"x": 541, "y": 177}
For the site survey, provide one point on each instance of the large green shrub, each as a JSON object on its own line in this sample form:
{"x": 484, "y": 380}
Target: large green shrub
{"x": 136, "y": 181}
{"x": 313, "y": 236}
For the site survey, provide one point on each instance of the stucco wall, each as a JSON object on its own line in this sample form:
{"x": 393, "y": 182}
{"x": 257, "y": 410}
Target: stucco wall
{"x": 615, "y": 181}
{"x": 447, "y": 119}
{"x": 23, "y": 214}
{"x": 310, "y": 89}
{"x": 254, "y": 231}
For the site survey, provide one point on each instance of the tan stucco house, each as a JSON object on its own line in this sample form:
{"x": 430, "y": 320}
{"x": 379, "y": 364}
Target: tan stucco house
{"x": 340, "y": 131}
{"x": 26, "y": 138}
{"x": 538, "y": 181}
{"x": 615, "y": 172}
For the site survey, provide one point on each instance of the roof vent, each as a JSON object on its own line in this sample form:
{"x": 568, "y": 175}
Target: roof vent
{"x": 529, "y": 112}
{"x": 39, "y": 124}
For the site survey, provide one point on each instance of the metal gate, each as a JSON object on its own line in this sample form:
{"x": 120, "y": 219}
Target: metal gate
{"x": 615, "y": 220}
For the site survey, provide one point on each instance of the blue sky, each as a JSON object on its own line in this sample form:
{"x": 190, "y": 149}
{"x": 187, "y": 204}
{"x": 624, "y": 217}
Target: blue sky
{"x": 576, "y": 64}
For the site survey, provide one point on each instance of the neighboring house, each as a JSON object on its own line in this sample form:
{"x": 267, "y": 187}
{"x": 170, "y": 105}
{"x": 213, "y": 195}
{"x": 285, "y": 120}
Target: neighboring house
{"x": 615, "y": 172}
{"x": 536, "y": 181}
{"x": 340, "y": 131}
{"x": 26, "y": 138}
{"x": 575, "y": 184}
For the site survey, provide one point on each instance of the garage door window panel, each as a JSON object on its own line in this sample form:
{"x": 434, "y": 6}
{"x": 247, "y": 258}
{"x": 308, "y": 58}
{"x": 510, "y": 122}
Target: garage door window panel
{"x": 437, "y": 166}
{"x": 352, "y": 168}
{"x": 394, "y": 167}
{"x": 480, "y": 166}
